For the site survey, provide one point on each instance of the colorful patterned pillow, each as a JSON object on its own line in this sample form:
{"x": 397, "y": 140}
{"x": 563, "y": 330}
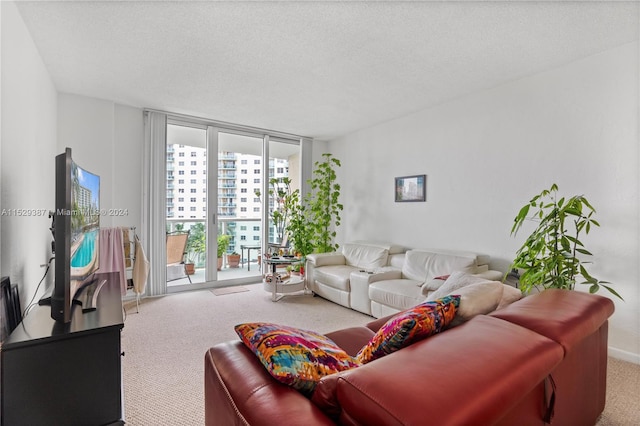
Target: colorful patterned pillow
{"x": 410, "y": 326}
{"x": 298, "y": 358}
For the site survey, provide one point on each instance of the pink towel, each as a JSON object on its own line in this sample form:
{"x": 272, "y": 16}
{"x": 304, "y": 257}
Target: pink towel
{"x": 112, "y": 254}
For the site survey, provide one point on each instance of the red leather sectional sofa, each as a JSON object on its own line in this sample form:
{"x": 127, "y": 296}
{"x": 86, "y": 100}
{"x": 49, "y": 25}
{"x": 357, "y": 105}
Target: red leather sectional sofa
{"x": 541, "y": 358}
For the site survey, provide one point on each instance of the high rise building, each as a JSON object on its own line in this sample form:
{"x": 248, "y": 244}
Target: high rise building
{"x": 239, "y": 177}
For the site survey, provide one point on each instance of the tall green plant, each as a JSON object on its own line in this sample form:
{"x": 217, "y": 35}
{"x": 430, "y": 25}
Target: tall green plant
{"x": 549, "y": 256}
{"x": 299, "y": 231}
{"x": 280, "y": 192}
{"x": 323, "y": 204}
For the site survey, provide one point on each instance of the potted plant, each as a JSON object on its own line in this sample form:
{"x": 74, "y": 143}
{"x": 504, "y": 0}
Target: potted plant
{"x": 323, "y": 204}
{"x": 296, "y": 268}
{"x": 190, "y": 267}
{"x": 196, "y": 246}
{"x": 233, "y": 260}
{"x": 299, "y": 231}
{"x": 280, "y": 191}
{"x": 223, "y": 244}
{"x": 550, "y": 256}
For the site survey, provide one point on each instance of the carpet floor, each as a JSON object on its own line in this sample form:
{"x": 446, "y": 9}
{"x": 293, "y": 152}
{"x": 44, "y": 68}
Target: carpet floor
{"x": 165, "y": 343}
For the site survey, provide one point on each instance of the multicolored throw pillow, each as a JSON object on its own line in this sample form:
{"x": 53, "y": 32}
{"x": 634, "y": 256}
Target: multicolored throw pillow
{"x": 298, "y": 358}
{"x": 410, "y": 326}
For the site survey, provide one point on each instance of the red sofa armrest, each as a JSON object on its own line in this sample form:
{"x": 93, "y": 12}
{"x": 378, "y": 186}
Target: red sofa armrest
{"x": 238, "y": 390}
{"x": 564, "y": 316}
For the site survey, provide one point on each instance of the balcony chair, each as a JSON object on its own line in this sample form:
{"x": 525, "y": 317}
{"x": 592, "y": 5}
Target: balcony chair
{"x": 176, "y": 252}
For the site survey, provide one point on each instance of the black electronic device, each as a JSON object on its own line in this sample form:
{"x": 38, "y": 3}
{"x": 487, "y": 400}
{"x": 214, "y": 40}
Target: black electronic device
{"x": 76, "y": 229}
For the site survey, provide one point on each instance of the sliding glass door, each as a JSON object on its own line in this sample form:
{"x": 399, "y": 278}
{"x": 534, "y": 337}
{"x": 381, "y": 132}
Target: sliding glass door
{"x": 187, "y": 205}
{"x": 218, "y": 194}
{"x": 239, "y": 228}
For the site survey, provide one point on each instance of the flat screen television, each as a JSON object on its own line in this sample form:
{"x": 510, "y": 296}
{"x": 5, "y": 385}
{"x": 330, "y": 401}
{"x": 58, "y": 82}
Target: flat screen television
{"x": 76, "y": 231}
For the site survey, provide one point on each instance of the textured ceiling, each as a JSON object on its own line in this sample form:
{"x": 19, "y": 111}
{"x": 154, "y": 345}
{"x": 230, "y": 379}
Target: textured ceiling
{"x": 319, "y": 69}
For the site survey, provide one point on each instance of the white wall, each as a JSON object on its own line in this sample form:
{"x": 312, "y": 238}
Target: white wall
{"x": 106, "y": 139}
{"x": 28, "y": 149}
{"x": 485, "y": 155}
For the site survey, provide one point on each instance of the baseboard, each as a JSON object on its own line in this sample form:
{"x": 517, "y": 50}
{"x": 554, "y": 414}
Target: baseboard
{"x": 624, "y": 355}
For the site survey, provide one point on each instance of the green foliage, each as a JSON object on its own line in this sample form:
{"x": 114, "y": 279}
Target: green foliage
{"x": 323, "y": 204}
{"x": 549, "y": 256}
{"x": 309, "y": 225}
{"x": 223, "y": 244}
{"x": 298, "y": 230}
{"x": 196, "y": 243}
{"x": 280, "y": 192}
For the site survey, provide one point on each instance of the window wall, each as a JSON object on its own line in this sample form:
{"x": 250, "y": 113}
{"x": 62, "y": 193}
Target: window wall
{"x": 229, "y": 200}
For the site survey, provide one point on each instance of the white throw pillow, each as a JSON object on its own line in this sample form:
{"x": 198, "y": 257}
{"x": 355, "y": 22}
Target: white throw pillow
{"x": 478, "y": 299}
{"x": 455, "y": 281}
{"x": 509, "y": 295}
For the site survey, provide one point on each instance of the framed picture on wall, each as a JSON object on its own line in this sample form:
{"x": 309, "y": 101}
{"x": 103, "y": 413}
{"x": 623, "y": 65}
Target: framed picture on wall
{"x": 411, "y": 188}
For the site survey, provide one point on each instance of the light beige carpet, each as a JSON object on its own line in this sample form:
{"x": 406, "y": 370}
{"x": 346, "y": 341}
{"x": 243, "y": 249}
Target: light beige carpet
{"x": 229, "y": 290}
{"x": 165, "y": 344}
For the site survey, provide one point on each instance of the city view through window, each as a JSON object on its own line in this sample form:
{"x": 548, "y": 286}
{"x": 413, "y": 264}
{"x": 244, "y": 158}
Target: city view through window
{"x": 239, "y": 177}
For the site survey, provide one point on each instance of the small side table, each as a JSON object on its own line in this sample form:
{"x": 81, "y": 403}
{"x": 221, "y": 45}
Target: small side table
{"x": 248, "y": 248}
{"x": 291, "y": 285}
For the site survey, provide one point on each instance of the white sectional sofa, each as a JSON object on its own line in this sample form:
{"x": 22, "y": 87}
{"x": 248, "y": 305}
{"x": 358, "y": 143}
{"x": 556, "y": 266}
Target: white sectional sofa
{"x": 329, "y": 274}
{"x": 380, "y": 279}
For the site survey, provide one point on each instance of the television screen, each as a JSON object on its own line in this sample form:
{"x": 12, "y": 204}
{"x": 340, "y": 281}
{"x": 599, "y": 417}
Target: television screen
{"x": 85, "y": 225}
{"x": 76, "y": 229}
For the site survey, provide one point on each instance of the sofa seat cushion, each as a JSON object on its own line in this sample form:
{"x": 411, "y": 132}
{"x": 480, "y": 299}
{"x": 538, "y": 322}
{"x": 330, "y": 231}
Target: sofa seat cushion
{"x": 399, "y": 294}
{"x": 410, "y": 326}
{"x": 294, "y": 357}
{"x": 336, "y": 276}
{"x": 364, "y": 256}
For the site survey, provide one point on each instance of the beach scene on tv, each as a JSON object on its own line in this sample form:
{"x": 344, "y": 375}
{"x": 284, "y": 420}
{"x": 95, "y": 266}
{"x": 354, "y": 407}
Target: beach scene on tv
{"x": 85, "y": 222}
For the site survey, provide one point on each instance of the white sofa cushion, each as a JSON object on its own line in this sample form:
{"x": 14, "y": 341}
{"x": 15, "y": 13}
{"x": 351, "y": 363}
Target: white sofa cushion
{"x": 455, "y": 281}
{"x": 424, "y": 265}
{"x": 478, "y": 296}
{"x": 481, "y": 259}
{"x": 414, "y": 266}
{"x": 324, "y": 259}
{"x": 509, "y": 295}
{"x": 336, "y": 276}
{"x": 365, "y": 257}
{"x": 478, "y": 299}
{"x": 391, "y": 248}
{"x": 399, "y": 294}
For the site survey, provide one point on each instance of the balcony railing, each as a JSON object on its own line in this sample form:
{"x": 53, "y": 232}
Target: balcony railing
{"x": 226, "y": 226}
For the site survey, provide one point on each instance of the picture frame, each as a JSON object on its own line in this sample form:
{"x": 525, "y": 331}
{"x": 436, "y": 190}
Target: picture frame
{"x": 411, "y": 188}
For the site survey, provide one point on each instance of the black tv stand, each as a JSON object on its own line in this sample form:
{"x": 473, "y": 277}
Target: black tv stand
{"x": 45, "y": 301}
{"x": 87, "y": 296}
{"x": 66, "y": 373}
